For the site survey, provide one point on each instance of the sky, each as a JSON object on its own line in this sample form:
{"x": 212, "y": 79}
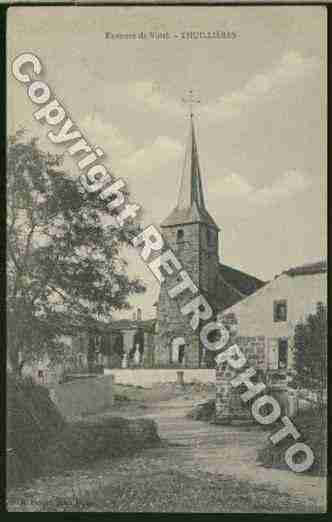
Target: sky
{"x": 261, "y": 123}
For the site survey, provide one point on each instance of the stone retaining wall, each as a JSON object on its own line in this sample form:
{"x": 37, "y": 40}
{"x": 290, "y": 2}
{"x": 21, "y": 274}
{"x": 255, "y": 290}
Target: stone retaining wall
{"x": 83, "y": 396}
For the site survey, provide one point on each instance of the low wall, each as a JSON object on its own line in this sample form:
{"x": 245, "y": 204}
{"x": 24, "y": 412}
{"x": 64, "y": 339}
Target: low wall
{"x": 83, "y": 396}
{"x": 148, "y": 377}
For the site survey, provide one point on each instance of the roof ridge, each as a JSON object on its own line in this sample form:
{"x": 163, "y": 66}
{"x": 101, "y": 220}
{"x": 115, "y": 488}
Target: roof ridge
{"x": 308, "y": 268}
{"x": 242, "y": 272}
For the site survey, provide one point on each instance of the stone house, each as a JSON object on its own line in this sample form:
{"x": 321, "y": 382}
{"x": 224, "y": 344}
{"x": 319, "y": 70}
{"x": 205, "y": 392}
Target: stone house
{"x": 128, "y": 343}
{"x": 266, "y": 319}
{"x": 120, "y": 343}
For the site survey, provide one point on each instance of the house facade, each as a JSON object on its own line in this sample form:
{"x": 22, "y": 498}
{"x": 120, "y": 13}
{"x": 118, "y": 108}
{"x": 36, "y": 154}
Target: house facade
{"x": 266, "y": 320}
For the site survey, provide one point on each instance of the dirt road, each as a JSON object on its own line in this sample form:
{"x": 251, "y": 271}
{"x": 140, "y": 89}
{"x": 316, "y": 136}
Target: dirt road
{"x": 227, "y": 450}
{"x": 199, "y": 468}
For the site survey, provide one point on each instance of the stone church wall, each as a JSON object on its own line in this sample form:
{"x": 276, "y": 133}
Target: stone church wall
{"x": 209, "y": 262}
{"x": 199, "y": 257}
{"x": 171, "y": 322}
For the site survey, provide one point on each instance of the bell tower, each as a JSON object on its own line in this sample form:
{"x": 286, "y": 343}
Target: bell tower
{"x": 192, "y": 234}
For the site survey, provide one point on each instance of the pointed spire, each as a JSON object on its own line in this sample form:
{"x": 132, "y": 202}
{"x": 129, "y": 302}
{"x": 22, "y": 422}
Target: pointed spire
{"x": 190, "y": 206}
{"x": 191, "y": 185}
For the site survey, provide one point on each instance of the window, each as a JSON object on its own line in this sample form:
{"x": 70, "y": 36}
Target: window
{"x": 179, "y": 235}
{"x": 280, "y": 310}
{"x": 282, "y": 353}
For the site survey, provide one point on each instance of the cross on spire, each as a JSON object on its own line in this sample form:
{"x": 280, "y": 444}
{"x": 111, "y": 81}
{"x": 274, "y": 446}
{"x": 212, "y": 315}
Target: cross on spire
{"x": 190, "y": 100}
{"x": 190, "y": 207}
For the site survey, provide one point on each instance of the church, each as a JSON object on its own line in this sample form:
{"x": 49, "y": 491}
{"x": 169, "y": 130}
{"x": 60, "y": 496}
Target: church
{"x": 266, "y": 312}
{"x": 168, "y": 341}
{"x": 193, "y": 235}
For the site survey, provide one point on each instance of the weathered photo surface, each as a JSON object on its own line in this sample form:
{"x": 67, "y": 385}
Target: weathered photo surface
{"x": 166, "y": 270}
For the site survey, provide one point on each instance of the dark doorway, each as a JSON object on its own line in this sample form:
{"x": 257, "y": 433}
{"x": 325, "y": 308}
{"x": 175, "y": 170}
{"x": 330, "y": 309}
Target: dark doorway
{"x": 182, "y": 349}
{"x": 283, "y": 354}
{"x": 139, "y": 340}
{"x": 115, "y": 350}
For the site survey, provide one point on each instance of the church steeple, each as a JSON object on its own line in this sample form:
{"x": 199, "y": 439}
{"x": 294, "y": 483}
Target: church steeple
{"x": 190, "y": 206}
{"x": 191, "y": 233}
{"x": 191, "y": 191}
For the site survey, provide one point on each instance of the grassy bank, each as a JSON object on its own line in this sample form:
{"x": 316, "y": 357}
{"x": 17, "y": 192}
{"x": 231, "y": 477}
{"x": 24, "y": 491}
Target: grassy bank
{"x": 312, "y": 426}
{"x": 145, "y": 484}
{"x": 40, "y": 442}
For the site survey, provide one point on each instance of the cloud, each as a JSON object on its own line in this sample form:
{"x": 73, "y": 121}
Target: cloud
{"x": 108, "y": 137}
{"x": 152, "y": 174}
{"x": 291, "y": 183}
{"x": 153, "y": 156}
{"x": 149, "y": 95}
{"x": 142, "y": 167}
{"x": 291, "y": 68}
{"x": 122, "y": 152}
{"x": 146, "y": 96}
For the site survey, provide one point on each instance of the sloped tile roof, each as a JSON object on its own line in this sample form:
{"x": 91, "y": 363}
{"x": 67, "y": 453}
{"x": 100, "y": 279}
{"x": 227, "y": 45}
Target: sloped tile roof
{"x": 308, "y": 269}
{"x": 233, "y": 286}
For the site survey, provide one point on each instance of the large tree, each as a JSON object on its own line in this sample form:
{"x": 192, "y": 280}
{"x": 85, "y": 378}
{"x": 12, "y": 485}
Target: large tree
{"x": 65, "y": 262}
{"x": 310, "y": 343}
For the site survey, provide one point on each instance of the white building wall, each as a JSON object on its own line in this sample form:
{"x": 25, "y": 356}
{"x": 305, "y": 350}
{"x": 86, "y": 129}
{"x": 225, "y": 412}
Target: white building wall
{"x": 255, "y": 314}
{"x": 148, "y": 377}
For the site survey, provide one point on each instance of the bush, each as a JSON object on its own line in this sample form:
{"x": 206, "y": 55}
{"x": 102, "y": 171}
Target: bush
{"x": 204, "y": 411}
{"x": 312, "y": 426}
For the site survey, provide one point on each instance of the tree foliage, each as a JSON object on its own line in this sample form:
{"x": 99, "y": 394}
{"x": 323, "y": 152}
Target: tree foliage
{"x": 310, "y": 343}
{"x": 65, "y": 263}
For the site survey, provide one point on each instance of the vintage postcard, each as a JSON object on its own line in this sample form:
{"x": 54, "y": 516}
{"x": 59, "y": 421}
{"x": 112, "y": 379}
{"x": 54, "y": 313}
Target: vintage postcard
{"x": 166, "y": 270}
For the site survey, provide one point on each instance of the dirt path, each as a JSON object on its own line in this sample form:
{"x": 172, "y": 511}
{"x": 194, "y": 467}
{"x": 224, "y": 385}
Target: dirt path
{"x": 196, "y": 455}
{"x": 227, "y": 450}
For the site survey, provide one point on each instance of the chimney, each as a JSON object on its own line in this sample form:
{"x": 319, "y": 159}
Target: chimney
{"x": 139, "y": 314}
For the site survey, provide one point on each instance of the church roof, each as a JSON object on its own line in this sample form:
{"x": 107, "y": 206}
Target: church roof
{"x": 244, "y": 283}
{"x": 233, "y": 286}
{"x": 190, "y": 206}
